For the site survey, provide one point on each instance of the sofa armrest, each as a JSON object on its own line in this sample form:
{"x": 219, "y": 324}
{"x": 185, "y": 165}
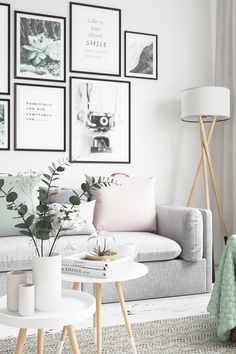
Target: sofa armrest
{"x": 185, "y": 226}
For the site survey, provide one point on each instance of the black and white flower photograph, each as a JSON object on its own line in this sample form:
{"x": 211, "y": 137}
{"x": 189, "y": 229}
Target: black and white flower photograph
{"x": 100, "y": 120}
{"x": 40, "y": 47}
{"x": 4, "y": 125}
{"x": 141, "y": 55}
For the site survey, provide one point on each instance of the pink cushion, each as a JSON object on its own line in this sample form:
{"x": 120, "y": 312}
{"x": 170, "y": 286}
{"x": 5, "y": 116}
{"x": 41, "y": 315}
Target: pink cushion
{"x": 130, "y": 206}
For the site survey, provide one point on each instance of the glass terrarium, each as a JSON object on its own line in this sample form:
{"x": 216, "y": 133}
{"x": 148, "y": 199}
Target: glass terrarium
{"x": 101, "y": 245}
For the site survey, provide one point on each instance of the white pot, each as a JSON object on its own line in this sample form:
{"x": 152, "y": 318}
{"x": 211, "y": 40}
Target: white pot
{"x": 13, "y": 280}
{"x": 47, "y": 281}
{"x": 26, "y": 299}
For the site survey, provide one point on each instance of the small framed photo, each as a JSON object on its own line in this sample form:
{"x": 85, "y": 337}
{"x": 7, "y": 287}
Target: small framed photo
{"x": 40, "y": 118}
{"x": 99, "y": 120}
{"x": 95, "y": 39}
{"x": 40, "y": 46}
{"x": 5, "y": 49}
{"x": 141, "y": 55}
{"x": 4, "y": 124}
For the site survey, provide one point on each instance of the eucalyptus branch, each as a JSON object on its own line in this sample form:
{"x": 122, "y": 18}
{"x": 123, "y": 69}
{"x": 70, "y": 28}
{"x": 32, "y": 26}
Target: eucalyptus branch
{"x": 22, "y": 217}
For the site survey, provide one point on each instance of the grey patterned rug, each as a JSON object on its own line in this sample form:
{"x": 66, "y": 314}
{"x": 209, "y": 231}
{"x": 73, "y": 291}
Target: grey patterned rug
{"x": 189, "y": 335}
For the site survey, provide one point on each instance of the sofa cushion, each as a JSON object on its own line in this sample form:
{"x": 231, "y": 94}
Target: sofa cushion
{"x": 128, "y": 206}
{"x": 17, "y": 252}
{"x": 151, "y": 247}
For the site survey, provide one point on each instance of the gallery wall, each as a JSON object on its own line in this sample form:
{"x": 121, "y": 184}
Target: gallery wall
{"x": 161, "y": 145}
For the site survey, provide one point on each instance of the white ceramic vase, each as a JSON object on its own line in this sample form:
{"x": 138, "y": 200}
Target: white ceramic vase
{"x": 26, "y": 302}
{"x": 13, "y": 280}
{"x": 47, "y": 282}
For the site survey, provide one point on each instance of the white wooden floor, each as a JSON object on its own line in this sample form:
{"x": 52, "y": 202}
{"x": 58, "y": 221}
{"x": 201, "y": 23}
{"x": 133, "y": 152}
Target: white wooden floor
{"x": 142, "y": 311}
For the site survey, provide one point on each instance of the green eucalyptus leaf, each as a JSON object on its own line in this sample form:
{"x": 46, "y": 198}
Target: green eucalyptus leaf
{"x": 84, "y": 187}
{"x": 11, "y": 197}
{"x": 47, "y": 176}
{"x": 23, "y": 209}
{"x": 74, "y": 200}
{"x": 21, "y": 226}
{"x": 1, "y": 183}
{"x": 25, "y": 232}
{"x": 29, "y": 220}
{"x": 42, "y": 208}
{"x": 51, "y": 169}
{"x": 42, "y": 234}
{"x": 60, "y": 169}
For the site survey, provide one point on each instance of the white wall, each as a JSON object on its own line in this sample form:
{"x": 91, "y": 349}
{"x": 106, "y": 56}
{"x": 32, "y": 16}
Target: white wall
{"x": 162, "y": 145}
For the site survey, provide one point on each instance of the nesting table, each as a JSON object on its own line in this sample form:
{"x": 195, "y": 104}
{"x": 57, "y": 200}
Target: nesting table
{"x": 123, "y": 272}
{"x": 75, "y": 307}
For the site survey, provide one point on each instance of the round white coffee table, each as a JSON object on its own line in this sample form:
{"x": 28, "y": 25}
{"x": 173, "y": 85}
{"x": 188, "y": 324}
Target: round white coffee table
{"x": 75, "y": 307}
{"x": 123, "y": 272}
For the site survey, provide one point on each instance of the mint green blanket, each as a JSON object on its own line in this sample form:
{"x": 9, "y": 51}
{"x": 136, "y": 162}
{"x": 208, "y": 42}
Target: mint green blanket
{"x": 222, "y": 304}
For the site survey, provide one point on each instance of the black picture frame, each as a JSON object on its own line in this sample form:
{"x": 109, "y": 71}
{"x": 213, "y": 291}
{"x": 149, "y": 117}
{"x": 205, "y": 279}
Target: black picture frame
{"x": 8, "y": 123}
{"x": 128, "y": 126}
{"x": 8, "y": 70}
{"x": 40, "y": 78}
{"x": 63, "y": 88}
{"x": 155, "y": 51}
{"x": 95, "y": 72}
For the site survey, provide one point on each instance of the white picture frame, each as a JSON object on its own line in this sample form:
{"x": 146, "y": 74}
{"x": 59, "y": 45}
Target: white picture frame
{"x": 95, "y": 39}
{"x": 5, "y": 49}
{"x": 99, "y": 120}
{"x": 40, "y": 118}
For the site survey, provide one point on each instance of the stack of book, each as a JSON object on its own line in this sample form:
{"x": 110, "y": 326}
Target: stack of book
{"x": 78, "y": 264}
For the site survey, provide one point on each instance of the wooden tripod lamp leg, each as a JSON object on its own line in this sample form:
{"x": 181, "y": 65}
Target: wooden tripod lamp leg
{"x": 213, "y": 180}
{"x": 209, "y": 135}
{"x": 205, "y": 173}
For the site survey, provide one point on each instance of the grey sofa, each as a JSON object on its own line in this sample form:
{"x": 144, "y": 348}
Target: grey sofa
{"x": 179, "y": 255}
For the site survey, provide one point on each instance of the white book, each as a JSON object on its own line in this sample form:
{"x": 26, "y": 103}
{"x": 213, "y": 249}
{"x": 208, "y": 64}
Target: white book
{"x": 84, "y": 271}
{"x": 79, "y": 260}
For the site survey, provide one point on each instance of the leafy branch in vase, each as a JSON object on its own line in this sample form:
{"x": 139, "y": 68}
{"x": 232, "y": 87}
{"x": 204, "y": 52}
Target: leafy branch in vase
{"x": 48, "y": 222}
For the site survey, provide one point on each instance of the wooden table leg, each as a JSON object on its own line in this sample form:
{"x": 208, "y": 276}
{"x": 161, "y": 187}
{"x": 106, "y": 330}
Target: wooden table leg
{"x": 21, "y": 341}
{"x": 62, "y": 339}
{"x": 125, "y": 315}
{"x": 76, "y": 286}
{"x": 98, "y": 317}
{"x": 40, "y": 340}
{"x": 73, "y": 340}
{"x": 94, "y": 315}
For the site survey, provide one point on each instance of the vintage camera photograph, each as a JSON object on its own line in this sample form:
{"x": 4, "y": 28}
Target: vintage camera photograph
{"x": 100, "y": 120}
{"x": 4, "y": 125}
{"x": 40, "y": 47}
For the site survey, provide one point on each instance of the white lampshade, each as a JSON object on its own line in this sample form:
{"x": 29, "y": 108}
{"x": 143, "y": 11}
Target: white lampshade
{"x": 205, "y": 101}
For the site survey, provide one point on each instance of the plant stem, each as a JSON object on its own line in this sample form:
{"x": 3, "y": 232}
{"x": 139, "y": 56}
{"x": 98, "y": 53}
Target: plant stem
{"x": 41, "y": 248}
{"x": 55, "y": 240}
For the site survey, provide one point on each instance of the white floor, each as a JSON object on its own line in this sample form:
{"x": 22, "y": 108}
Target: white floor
{"x": 142, "y": 311}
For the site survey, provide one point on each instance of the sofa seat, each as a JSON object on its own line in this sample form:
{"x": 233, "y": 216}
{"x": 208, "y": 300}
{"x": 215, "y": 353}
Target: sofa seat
{"x": 17, "y": 252}
{"x": 151, "y": 247}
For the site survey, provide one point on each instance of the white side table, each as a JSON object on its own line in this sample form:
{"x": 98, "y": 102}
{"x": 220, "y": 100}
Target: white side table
{"x": 75, "y": 307}
{"x": 124, "y": 272}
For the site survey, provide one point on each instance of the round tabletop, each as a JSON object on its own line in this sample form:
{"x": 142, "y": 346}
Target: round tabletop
{"x": 75, "y": 307}
{"x": 122, "y": 272}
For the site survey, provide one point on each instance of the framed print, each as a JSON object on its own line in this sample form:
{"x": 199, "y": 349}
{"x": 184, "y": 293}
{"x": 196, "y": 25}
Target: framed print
{"x": 95, "y": 42}
{"x": 39, "y": 118}
{"x": 4, "y": 124}
{"x": 141, "y": 55}
{"x": 39, "y": 47}
{"x": 99, "y": 120}
{"x": 5, "y": 49}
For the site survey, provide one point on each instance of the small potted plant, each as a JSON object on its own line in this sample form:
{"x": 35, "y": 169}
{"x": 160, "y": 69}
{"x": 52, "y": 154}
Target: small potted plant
{"x": 48, "y": 223}
{"x": 101, "y": 245}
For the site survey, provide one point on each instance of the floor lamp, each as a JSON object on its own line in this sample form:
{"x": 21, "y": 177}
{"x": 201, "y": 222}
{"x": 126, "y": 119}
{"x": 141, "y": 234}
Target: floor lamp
{"x": 207, "y": 104}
